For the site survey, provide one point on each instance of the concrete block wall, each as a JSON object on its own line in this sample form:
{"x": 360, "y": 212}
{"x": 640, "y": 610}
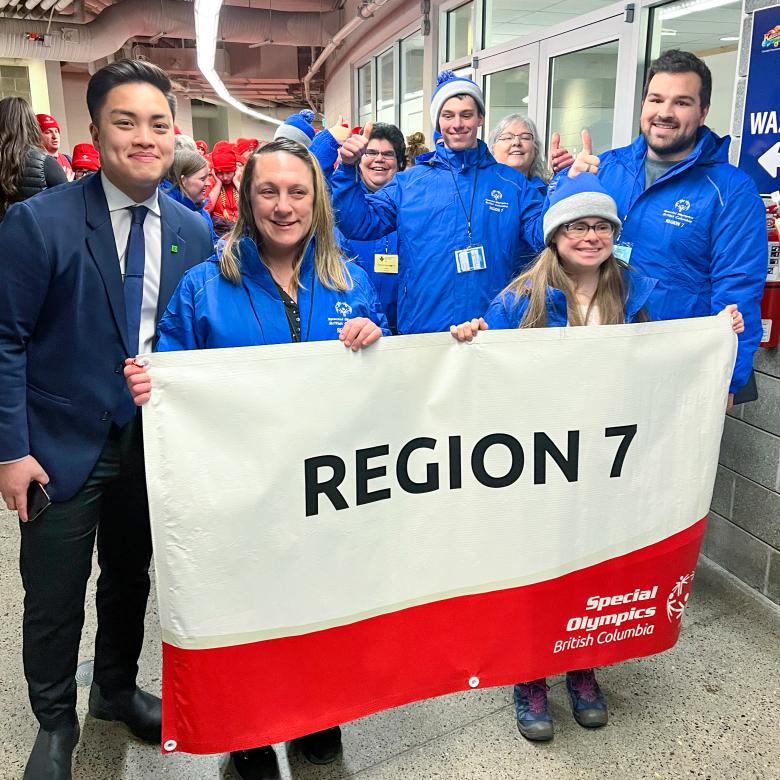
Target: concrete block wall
{"x": 743, "y": 534}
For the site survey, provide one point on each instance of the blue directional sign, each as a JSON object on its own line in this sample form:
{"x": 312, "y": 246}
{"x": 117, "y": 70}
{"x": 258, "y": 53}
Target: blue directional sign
{"x": 759, "y": 155}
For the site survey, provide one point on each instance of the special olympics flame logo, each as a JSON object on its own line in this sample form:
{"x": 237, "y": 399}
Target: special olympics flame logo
{"x": 496, "y": 194}
{"x": 678, "y": 598}
{"x": 682, "y": 205}
{"x": 343, "y": 308}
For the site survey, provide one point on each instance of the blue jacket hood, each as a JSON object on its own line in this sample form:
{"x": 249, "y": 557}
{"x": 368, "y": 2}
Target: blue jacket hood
{"x": 710, "y": 149}
{"x": 443, "y": 156}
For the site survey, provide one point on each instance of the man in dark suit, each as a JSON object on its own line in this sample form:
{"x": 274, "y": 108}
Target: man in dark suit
{"x": 86, "y": 270}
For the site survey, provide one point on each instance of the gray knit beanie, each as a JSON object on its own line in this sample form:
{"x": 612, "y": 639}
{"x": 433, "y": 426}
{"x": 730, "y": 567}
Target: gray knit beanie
{"x": 575, "y": 198}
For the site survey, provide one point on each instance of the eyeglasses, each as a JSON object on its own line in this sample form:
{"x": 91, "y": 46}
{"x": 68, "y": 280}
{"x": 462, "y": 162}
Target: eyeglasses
{"x": 509, "y": 137}
{"x": 581, "y": 229}
{"x": 376, "y": 153}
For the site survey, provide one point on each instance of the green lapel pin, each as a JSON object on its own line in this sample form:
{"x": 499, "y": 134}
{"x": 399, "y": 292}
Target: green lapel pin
{"x": 174, "y": 248}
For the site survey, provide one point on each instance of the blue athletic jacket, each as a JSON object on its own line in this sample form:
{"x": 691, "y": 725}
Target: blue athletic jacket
{"x": 507, "y": 309}
{"x": 385, "y": 284}
{"x": 700, "y": 230}
{"x": 207, "y": 311}
{"x": 423, "y": 206}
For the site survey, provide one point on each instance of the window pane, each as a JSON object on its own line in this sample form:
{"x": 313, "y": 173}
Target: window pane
{"x": 412, "y": 66}
{"x": 385, "y": 87}
{"x": 412, "y": 116}
{"x": 460, "y": 32}
{"x": 412, "y": 84}
{"x": 582, "y": 95}
{"x": 509, "y": 19}
{"x": 365, "y": 94}
{"x": 711, "y": 34}
{"x": 506, "y": 92}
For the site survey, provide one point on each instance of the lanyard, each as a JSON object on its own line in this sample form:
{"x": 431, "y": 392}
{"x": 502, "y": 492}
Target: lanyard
{"x": 468, "y": 214}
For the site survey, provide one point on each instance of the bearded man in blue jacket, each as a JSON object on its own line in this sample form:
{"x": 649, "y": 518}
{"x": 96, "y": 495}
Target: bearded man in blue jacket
{"x": 690, "y": 219}
{"x": 460, "y": 216}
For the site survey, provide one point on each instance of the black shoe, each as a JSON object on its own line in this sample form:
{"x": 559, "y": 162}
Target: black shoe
{"x": 255, "y": 764}
{"x": 138, "y": 710}
{"x": 51, "y": 754}
{"x": 322, "y": 747}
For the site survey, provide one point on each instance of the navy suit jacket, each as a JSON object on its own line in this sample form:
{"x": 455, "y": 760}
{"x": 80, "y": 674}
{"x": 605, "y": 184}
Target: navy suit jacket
{"x": 63, "y": 331}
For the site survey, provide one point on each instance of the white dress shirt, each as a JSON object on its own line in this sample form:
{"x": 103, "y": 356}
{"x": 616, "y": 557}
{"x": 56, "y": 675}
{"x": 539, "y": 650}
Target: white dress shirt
{"x": 119, "y": 206}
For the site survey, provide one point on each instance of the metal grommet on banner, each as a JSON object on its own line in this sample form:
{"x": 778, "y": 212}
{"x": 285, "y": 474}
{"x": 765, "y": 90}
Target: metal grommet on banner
{"x": 473, "y": 681}
{"x": 170, "y": 745}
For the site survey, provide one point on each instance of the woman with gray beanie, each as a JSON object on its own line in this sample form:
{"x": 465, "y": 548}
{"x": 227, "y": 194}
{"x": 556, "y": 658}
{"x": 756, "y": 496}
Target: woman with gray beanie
{"x": 575, "y": 280}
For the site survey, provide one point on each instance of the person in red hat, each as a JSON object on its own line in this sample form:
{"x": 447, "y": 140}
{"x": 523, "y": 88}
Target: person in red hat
{"x": 203, "y": 148}
{"x": 85, "y": 159}
{"x": 224, "y": 195}
{"x": 50, "y": 130}
{"x": 245, "y": 147}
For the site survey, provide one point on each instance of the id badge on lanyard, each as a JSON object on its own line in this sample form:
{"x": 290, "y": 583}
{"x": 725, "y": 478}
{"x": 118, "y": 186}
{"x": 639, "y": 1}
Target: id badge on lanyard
{"x": 472, "y": 258}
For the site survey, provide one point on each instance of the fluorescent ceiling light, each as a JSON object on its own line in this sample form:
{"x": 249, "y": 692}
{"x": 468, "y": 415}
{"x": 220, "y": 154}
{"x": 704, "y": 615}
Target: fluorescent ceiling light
{"x": 666, "y": 31}
{"x": 730, "y": 38}
{"x": 691, "y": 7}
{"x": 206, "y": 30}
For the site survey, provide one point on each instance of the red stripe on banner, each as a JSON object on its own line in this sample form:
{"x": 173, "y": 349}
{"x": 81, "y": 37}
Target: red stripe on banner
{"x": 233, "y": 698}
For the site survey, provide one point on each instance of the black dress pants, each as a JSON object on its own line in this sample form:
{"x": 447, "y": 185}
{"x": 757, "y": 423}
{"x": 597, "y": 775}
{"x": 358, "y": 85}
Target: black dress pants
{"x": 55, "y": 562}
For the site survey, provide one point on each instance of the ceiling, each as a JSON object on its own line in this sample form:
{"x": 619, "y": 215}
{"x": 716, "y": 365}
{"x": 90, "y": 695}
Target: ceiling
{"x": 266, "y": 46}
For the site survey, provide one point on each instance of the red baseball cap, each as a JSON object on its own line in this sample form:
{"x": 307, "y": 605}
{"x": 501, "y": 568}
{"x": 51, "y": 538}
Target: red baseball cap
{"x": 86, "y": 156}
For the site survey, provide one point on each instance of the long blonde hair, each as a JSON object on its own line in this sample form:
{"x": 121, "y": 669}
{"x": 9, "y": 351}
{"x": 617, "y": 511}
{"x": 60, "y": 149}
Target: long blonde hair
{"x": 547, "y": 271}
{"x": 328, "y": 263}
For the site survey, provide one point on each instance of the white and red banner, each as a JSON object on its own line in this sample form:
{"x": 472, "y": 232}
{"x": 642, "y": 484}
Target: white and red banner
{"x": 337, "y": 533}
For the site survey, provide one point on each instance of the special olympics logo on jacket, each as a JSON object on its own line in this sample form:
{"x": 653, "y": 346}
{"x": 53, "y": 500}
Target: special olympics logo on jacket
{"x": 678, "y": 598}
{"x": 343, "y": 308}
{"x": 682, "y": 205}
{"x": 496, "y": 194}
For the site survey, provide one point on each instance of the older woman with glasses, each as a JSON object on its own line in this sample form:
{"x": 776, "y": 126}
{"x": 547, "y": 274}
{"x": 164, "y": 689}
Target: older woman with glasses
{"x": 515, "y": 142}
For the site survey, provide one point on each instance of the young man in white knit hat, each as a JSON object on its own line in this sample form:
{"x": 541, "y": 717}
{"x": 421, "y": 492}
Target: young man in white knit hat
{"x": 462, "y": 218}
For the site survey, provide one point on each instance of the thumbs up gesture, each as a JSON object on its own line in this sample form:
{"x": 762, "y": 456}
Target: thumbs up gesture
{"x": 352, "y": 149}
{"x": 586, "y": 161}
{"x": 340, "y": 131}
{"x": 560, "y": 157}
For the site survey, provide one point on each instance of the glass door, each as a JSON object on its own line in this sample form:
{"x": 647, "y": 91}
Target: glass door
{"x": 509, "y": 83}
{"x": 589, "y": 84}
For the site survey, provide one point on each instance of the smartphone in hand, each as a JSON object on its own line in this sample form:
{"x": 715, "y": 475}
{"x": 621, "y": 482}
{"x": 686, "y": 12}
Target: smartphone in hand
{"x": 37, "y": 500}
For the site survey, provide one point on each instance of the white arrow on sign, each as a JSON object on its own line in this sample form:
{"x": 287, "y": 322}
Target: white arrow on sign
{"x": 770, "y": 160}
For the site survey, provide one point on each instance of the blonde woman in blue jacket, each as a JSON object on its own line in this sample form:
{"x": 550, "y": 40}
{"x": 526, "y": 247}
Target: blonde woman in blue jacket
{"x": 575, "y": 280}
{"x": 279, "y": 278}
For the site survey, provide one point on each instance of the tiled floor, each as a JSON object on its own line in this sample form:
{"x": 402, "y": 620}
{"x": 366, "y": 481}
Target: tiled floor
{"x": 705, "y": 709}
